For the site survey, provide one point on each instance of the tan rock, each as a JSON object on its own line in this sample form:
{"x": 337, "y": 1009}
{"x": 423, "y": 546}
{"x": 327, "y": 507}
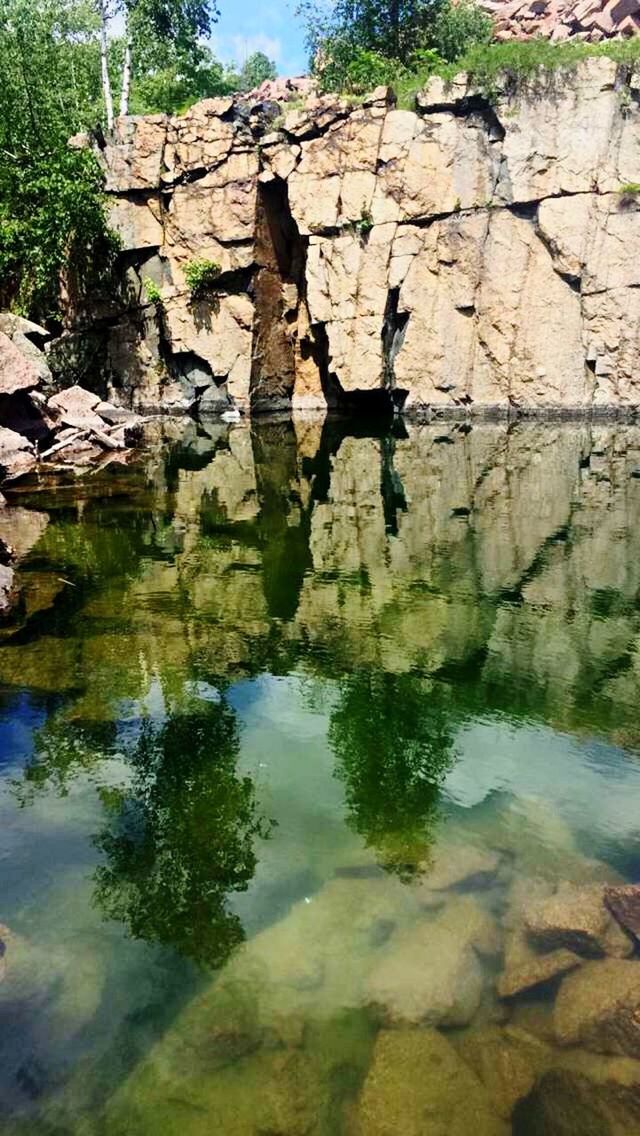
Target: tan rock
{"x": 426, "y": 978}
{"x": 576, "y": 918}
{"x": 508, "y": 1061}
{"x": 624, "y": 904}
{"x": 76, "y": 407}
{"x": 17, "y": 372}
{"x": 416, "y": 1082}
{"x": 525, "y": 968}
{"x": 17, "y": 455}
{"x": 598, "y": 1007}
{"x": 459, "y": 864}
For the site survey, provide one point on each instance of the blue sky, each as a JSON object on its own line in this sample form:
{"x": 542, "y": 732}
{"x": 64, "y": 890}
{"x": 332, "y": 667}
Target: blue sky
{"x": 261, "y": 25}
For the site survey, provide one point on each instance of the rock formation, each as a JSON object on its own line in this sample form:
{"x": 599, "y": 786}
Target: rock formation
{"x": 465, "y": 256}
{"x": 561, "y": 20}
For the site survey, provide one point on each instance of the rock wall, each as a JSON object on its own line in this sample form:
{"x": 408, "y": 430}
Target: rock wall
{"x": 466, "y": 256}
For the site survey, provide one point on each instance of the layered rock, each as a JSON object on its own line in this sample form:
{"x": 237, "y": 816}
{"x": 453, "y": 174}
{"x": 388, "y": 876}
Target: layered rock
{"x": 463, "y": 256}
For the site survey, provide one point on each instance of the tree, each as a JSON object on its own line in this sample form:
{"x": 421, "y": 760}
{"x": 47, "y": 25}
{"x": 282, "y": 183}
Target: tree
{"x": 52, "y": 213}
{"x": 150, "y": 25}
{"x": 255, "y": 70}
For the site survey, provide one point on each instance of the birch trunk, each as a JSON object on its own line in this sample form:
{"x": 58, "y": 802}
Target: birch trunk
{"x": 126, "y": 76}
{"x": 106, "y": 82}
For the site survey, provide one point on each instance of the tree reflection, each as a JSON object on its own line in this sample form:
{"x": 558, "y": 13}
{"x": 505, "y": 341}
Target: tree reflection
{"x": 181, "y": 837}
{"x": 393, "y": 739}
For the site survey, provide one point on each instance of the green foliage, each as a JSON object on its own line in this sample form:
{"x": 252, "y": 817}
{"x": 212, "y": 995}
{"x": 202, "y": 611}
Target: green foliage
{"x": 174, "y": 82}
{"x": 52, "y": 217}
{"x": 255, "y": 70}
{"x": 631, "y": 189}
{"x": 201, "y": 276}
{"x": 152, "y": 291}
{"x": 457, "y": 28}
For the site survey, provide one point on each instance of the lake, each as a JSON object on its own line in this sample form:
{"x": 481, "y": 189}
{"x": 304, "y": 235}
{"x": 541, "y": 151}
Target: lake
{"x": 319, "y": 750}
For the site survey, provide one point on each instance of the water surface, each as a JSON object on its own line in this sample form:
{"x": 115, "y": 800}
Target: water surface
{"x": 289, "y": 718}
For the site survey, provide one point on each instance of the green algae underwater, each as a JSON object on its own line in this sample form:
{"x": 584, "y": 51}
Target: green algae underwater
{"x": 318, "y": 751}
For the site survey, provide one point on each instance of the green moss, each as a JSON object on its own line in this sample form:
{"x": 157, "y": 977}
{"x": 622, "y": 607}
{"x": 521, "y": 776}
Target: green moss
{"x": 631, "y": 189}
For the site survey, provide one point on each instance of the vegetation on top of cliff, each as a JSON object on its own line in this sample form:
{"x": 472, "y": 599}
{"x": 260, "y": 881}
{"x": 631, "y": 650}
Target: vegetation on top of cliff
{"x": 357, "y": 46}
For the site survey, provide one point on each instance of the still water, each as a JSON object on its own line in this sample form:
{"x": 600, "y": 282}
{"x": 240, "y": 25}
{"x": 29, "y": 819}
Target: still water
{"x": 297, "y": 727}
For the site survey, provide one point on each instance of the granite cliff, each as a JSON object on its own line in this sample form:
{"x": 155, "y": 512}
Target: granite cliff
{"x": 475, "y": 254}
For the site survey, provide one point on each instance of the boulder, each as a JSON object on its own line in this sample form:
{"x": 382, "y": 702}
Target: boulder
{"x": 576, "y": 918}
{"x": 624, "y": 903}
{"x": 75, "y": 406}
{"x": 13, "y": 325}
{"x": 17, "y": 372}
{"x": 17, "y": 455}
{"x": 598, "y": 1007}
{"x": 459, "y": 865}
{"x": 417, "y": 1084}
{"x": 587, "y": 1094}
{"x": 507, "y": 1061}
{"x": 525, "y": 968}
{"x": 425, "y": 977}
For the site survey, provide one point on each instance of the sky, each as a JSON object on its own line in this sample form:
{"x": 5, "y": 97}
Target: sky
{"x": 260, "y": 25}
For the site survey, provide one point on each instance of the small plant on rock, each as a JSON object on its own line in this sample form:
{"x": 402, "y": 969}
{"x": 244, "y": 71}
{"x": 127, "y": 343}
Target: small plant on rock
{"x": 364, "y": 224}
{"x": 629, "y": 193}
{"x": 201, "y": 276}
{"x": 152, "y": 291}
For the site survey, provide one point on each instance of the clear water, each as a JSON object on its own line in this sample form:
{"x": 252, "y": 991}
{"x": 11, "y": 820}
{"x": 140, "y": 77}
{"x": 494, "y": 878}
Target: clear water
{"x": 289, "y": 717}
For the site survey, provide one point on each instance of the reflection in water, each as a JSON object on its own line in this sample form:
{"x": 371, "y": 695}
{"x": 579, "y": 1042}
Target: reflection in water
{"x": 393, "y": 744}
{"x": 181, "y": 836}
{"x": 360, "y": 636}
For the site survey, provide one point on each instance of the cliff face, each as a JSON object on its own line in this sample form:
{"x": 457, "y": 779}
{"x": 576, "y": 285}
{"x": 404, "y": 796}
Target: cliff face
{"x": 464, "y": 257}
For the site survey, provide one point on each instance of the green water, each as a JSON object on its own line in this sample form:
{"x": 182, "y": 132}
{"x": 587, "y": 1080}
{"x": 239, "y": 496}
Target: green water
{"x": 291, "y": 720}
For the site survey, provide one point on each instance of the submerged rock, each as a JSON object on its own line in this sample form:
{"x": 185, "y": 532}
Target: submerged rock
{"x": 458, "y": 865}
{"x": 586, "y": 1094}
{"x": 417, "y": 1084}
{"x": 507, "y": 1061}
{"x": 624, "y": 903}
{"x": 426, "y": 978}
{"x": 526, "y": 968}
{"x": 598, "y": 1007}
{"x": 576, "y": 918}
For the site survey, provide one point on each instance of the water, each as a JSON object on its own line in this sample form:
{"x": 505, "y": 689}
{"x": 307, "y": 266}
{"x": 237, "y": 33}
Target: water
{"x": 292, "y": 720}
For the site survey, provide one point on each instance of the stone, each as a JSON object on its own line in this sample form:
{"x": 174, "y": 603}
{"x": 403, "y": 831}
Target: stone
{"x": 624, "y": 904}
{"x": 17, "y": 455}
{"x": 76, "y": 407}
{"x": 22, "y": 529}
{"x": 525, "y": 969}
{"x": 585, "y": 1093}
{"x": 507, "y": 1060}
{"x": 12, "y": 325}
{"x": 418, "y": 1084}
{"x": 459, "y": 865}
{"x": 598, "y": 1007}
{"x": 576, "y": 918}
{"x": 17, "y": 371}
{"x": 426, "y": 978}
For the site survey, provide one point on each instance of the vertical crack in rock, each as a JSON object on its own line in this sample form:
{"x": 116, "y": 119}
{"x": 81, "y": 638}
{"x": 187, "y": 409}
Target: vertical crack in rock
{"x": 394, "y": 326}
{"x": 277, "y": 284}
{"x": 394, "y": 500}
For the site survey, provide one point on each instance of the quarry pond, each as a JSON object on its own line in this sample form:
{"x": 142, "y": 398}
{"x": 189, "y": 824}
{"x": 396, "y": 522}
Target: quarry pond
{"x": 320, "y": 785}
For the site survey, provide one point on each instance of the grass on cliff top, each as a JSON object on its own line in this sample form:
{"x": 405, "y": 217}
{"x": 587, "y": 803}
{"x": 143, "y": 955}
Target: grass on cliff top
{"x": 516, "y": 66}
